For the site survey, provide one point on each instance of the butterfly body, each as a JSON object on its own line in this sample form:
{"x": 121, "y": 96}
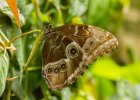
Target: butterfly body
{"x": 69, "y": 49}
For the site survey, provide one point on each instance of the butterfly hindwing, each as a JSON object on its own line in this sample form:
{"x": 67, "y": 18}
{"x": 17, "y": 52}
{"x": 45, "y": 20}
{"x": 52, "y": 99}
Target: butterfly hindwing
{"x": 61, "y": 58}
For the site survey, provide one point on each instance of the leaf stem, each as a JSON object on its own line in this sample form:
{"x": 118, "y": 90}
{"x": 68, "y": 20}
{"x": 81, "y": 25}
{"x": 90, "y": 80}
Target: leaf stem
{"x": 9, "y": 86}
{"x": 26, "y": 86}
{"x": 24, "y": 34}
{"x": 35, "y": 46}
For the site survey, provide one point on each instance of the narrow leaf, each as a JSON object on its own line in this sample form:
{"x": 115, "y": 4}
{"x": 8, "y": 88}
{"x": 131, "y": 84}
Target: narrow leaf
{"x": 34, "y": 49}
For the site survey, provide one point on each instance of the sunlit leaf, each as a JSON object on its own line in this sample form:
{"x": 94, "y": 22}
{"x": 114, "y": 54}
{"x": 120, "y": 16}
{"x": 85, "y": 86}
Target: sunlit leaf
{"x": 77, "y": 20}
{"x": 131, "y": 72}
{"x": 106, "y": 68}
{"x": 44, "y": 18}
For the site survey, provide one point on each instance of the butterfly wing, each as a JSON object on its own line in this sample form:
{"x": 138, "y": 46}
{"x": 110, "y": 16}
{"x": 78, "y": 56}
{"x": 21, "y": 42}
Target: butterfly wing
{"x": 67, "y": 53}
{"x": 94, "y": 41}
{"x": 61, "y": 56}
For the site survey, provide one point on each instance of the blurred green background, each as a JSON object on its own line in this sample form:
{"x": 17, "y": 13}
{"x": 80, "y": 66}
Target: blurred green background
{"x": 112, "y": 77}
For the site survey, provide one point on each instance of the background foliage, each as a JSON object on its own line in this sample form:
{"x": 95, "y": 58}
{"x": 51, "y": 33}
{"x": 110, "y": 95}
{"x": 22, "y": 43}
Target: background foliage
{"x": 112, "y": 77}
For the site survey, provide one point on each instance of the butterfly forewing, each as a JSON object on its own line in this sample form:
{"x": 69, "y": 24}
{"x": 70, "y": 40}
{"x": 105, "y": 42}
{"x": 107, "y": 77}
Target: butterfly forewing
{"x": 69, "y": 49}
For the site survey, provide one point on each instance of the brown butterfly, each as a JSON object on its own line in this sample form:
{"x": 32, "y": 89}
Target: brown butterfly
{"x": 69, "y": 49}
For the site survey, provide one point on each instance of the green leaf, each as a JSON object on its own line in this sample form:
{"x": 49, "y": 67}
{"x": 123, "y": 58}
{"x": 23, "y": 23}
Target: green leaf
{"x": 131, "y": 73}
{"x": 10, "y": 28}
{"x": 105, "y": 87}
{"x": 19, "y": 90}
{"x": 58, "y": 15}
{"x": 98, "y": 9}
{"x": 44, "y": 18}
{"x": 107, "y": 68}
{"x": 56, "y": 4}
{"x": 4, "y": 65}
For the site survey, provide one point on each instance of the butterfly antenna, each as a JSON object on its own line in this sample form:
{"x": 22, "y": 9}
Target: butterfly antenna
{"x": 50, "y": 20}
{"x": 50, "y": 24}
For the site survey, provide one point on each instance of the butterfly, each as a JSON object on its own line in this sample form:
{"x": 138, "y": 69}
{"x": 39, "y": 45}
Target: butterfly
{"x": 69, "y": 49}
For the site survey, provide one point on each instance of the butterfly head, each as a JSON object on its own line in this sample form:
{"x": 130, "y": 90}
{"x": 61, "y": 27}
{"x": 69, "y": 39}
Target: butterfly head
{"x": 50, "y": 26}
{"x": 49, "y": 30}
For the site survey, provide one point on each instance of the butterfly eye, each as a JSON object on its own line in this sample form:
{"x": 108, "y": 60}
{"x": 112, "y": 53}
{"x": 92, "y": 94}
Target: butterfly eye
{"x": 56, "y": 70}
{"x": 72, "y": 51}
{"x": 101, "y": 37}
{"x": 49, "y": 70}
{"x": 87, "y": 50}
{"x": 91, "y": 43}
{"x": 63, "y": 66}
